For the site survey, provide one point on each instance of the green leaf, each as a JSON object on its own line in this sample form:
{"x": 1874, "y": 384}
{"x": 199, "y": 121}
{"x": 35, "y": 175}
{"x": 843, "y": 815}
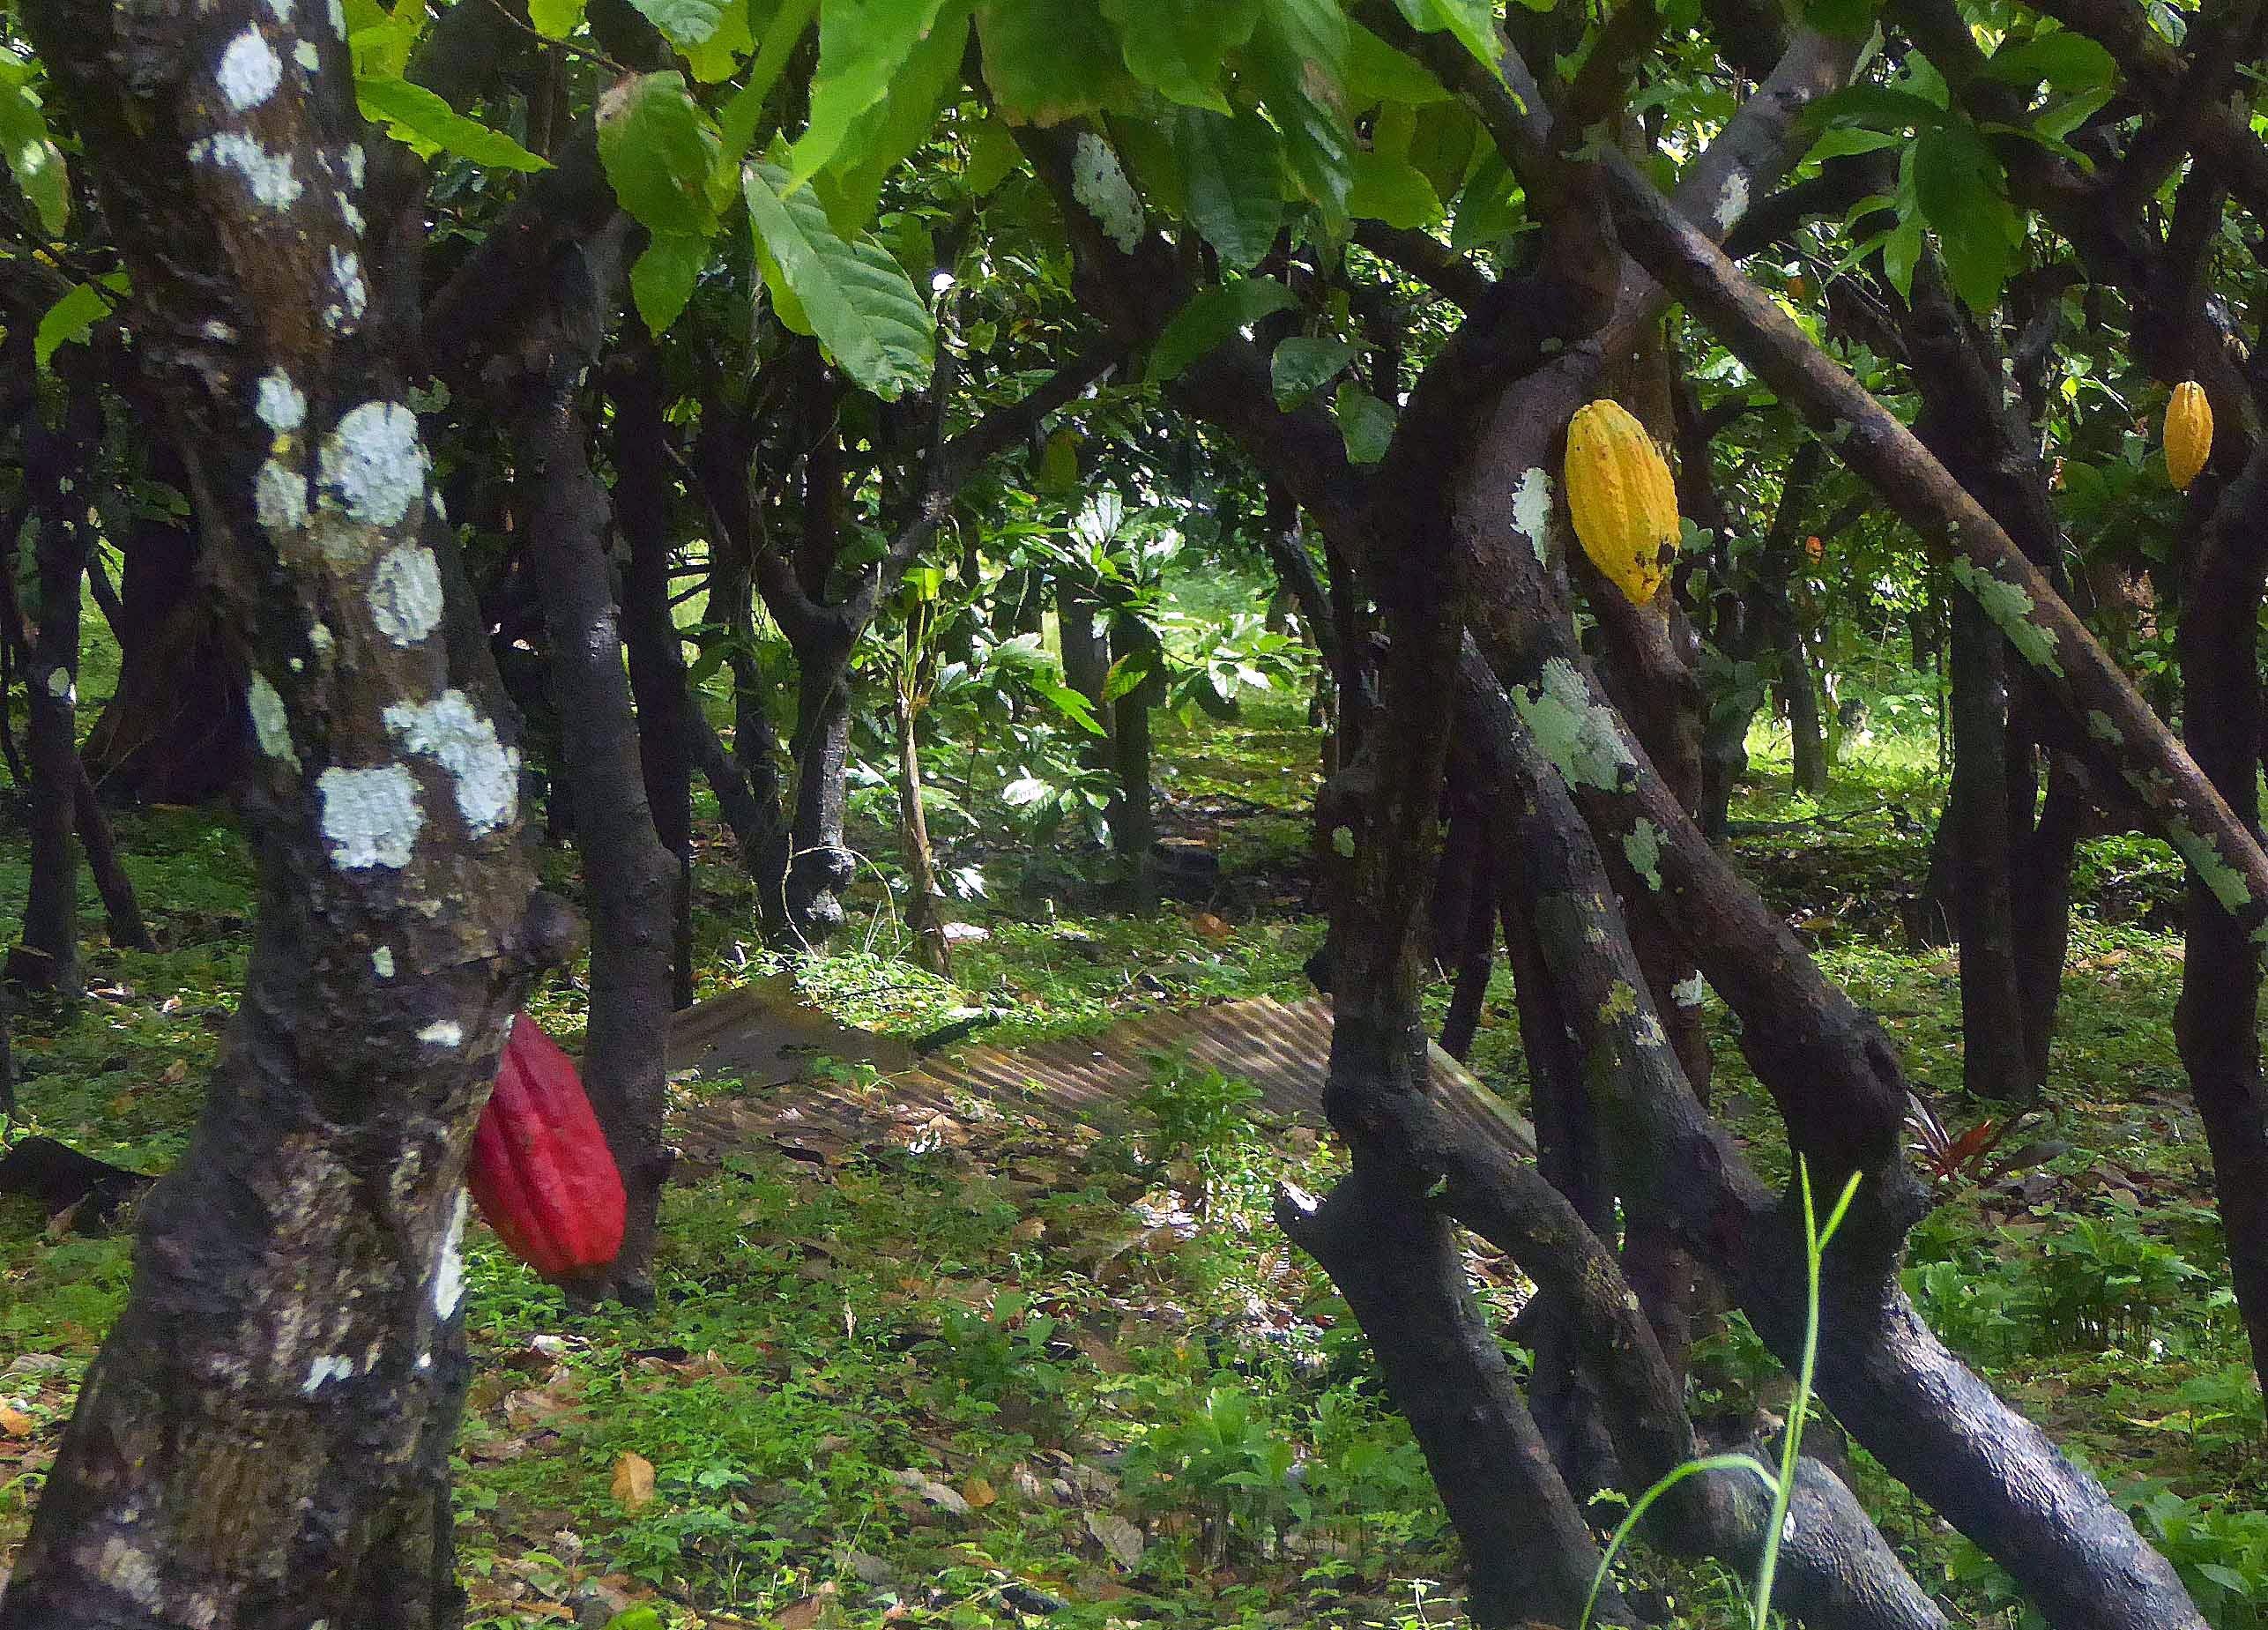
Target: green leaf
{"x": 1366, "y": 423}
{"x": 555, "y": 19}
{"x": 1047, "y": 61}
{"x": 34, "y": 160}
{"x": 890, "y": 131}
{"x": 1492, "y": 206}
{"x": 1376, "y": 72}
{"x": 718, "y": 57}
{"x": 685, "y": 22}
{"x": 2066, "y": 61}
{"x": 1211, "y": 318}
{"x": 1231, "y": 170}
{"x": 664, "y": 278}
{"x": 1058, "y": 464}
{"x": 1879, "y": 107}
{"x": 858, "y": 299}
{"x": 863, "y": 46}
{"x": 1299, "y": 58}
{"x": 415, "y": 116}
{"x": 1902, "y": 252}
{"x": 741, "y": 115}
{"x": 1384, "y": 185}
{"x": 657, "y": 151}
{"x": 992, "y": 156}
{"x": 1959, "y": 189}
{"x": 1843, "y": 141}
{"x": 1303, "y": 366}
{"x": 1127, "y": 674}
{"x": 1176, "y": 47}
{"x": 70, "y": 318}
{"x": 1848, "y": 19}
{"x": 1472, "y": 21}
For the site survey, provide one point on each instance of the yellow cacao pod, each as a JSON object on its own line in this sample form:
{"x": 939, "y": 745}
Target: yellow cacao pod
{"x": 1621, "y": 498}
{"x": 2189, "y": 432}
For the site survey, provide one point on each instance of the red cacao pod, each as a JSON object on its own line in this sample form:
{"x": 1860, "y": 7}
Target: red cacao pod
{"x": 541, "y": 1171}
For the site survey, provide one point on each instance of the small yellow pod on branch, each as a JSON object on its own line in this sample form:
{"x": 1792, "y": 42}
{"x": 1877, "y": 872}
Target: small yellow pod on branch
{"x": 2189, "y": 433}
{"x": 1621, "y": 498}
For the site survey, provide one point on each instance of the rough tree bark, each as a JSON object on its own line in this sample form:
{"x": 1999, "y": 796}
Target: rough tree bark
{"x": 266, "y": 1435}
{"x": 627, "y": 872}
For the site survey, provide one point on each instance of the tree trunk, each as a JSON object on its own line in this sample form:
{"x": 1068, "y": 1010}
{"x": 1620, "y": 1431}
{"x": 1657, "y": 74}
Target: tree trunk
{"x": 1807, "y": 740}
{"x": 56, "y": 469}
{"x": 1086, "y": 653}
{"x": 2216, "y": 1022}
{"x": 820, "y": 868}
{"x": 264, "y": 1437}
{"x": 1133, "y": 824}
{"x": 120, "y": 906}
{"x": 625, "y": 867}
{"x": 656, "y": 661}
{"x": 925, "y": 910}
{"x": 1995, "y": 1062}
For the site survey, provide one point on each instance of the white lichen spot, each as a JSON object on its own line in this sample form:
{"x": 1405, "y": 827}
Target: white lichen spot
{"x": 319, "y": 640}
{"x": 60, "y": 686}
{"x": 356, "y": 163}
{"x": 1531, "y": 510}
{"x": 2226, "y": 881}
{"x": 279, "y": 497}
{"x": 453, "y": 731}
{"x": 1098, "y": 183}
{"x": 325, "y": 1368}
{"x": 2010, "y": 607}
{"x": 271, "y": 726}
{"x": 281, "y": 405}
{"x": 443, "y": 1033}
{"x": 1642, "y": 845}
{"x": 382, "y": 962}
{"x": 2102, "y": 727}
{"x": 1688, "y": 992}
{"x": 338, "y": 20}
{"x": 374, "y": 462}
{"x": 268, "y": 176}
{"x": 353, "y": 292}
{"x": 406, "y": 594}
{"x": 307, "y": 56}
{"x": 220, "y": 333}
{"x": 1733, "y": 203}
{"x": 440, "y": 510}
{"x": 283, "y": 10}
{"x": 349, "y": 213}
{"x": 1580, "y": 738}
{"x": 249, "y": 70}
{"x": 370, "y": 817}
{"x": 128, "y": 1570}
{"x": 448, "y": 1272}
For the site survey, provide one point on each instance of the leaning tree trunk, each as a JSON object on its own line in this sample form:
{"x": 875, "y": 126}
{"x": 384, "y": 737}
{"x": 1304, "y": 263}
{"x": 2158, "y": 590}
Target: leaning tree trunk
{"x": 667, "y": 750}
{"x": 264, "y": 1437}
{"x": 627, "y": 870}
{"x": 57, "y": 468}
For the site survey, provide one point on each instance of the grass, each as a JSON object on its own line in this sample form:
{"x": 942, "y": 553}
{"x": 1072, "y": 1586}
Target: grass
{"x": 1012, "y": 1375}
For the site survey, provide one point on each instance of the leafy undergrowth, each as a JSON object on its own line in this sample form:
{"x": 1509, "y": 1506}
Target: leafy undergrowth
{"x": 1019, "y": 1377}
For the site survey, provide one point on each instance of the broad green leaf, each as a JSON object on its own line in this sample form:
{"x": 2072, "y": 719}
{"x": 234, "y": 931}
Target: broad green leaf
{"x": 415, "y": 116}
{"x": 863, "y": 47}
{"x": 1902, "y": 252}
{"x": 857, "y": 299}
{"x": 1844, "y": 140}
{"x": 1232, "y": 175}
{"x": 1879, "y": 107}
{"x": 658, "y": 150}
{"x": 1491, "y": 207}
{"x": 1299, "y": 58}
{"x": 1366, "y": 423}
{"x": 2059, "y": 115}
{"x": 663, "y": 279}
{"x": 887, "y": 134}
{"x": 685, "y": 22}
{"x": 16, "y": 70}
{"x": 992, "y": 156}
{"x": 1302, "y": 366}
{"x": 2066, "y": 61}
{"x": 1959, "y": 189}
{"x": 1443, "y": 148}
{"x": 746, "y": 110}
{"x": 1058, "y": 464}
{"x": 34, "y": 160}
{"x": 1145, "y": 147}
{"x": 1848, "y": 19}
{"x": 1047, "y": 61}
{"x": 1391, "y": 190}
{"x": 1472, "y": 21}
{"x": 70, "y": 318}
{"x": 379, "y": 42}
{"x": 1376, "y": 72}
{"x": 1211, "y": 318}
{"x": 1176, "y": 47}
{"x": 555, "y": 19}
{"x": 718, "y": 57}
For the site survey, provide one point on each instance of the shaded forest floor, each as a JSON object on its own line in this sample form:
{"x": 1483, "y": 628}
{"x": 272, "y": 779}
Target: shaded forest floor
{"x": 1083, "y": 1378}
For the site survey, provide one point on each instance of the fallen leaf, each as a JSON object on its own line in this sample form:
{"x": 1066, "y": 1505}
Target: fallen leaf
{"x": 175, "y": 1072}
{"x": 978, "y": 1493}
{"x": 805, "y": 1612}
{"x": 15, "y": 1422}
{"x": 634, "y": 1482}
{"x": 1212, "y": 927}
{"x": 939, "y": 1494}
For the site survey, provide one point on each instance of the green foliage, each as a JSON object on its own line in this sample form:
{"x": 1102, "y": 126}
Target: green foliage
{"x": 850, "y": 293}
{"x": 422, "y": 121}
